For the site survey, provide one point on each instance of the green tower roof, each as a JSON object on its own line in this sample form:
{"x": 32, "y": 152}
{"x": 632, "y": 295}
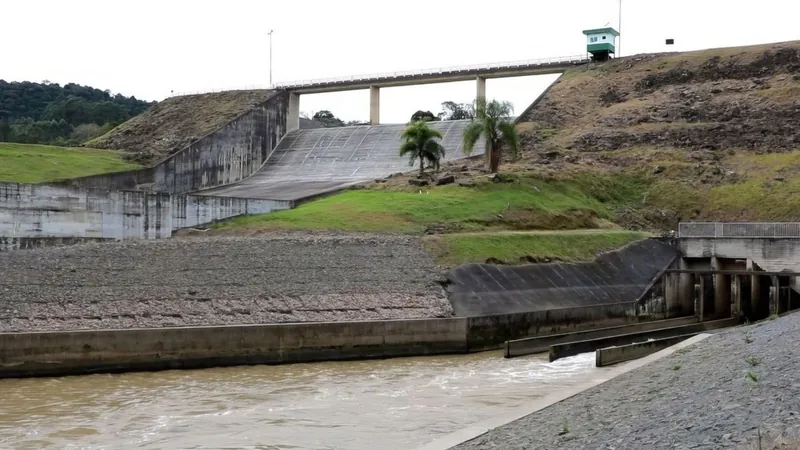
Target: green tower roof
{"x": 601, "y": 31}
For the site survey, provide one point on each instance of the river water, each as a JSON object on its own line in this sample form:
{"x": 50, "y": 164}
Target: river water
{"x": 389, "y": 404}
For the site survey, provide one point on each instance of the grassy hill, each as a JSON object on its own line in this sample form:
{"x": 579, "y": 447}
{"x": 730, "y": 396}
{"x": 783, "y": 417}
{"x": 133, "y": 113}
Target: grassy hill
{"x": 28, "y": 163}
{"x": 636, "y": 144}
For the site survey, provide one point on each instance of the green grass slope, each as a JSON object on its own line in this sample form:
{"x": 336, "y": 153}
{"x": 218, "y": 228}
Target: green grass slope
{"x": 26, "y": 163}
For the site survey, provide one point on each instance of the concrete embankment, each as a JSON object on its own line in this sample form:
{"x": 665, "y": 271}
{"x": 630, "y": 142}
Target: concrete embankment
{"x": 34, "y": 215}
{"x": 75, "y": 352}
{"x": 719, "y": 393}
{"x": 620, "y": 276}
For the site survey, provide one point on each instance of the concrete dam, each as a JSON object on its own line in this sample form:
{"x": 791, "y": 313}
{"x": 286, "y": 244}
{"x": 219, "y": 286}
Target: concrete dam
{"x": 309, "y": 162}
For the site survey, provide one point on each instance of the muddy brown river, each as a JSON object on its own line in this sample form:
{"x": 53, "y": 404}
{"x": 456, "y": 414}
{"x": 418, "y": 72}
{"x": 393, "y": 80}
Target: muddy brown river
{"x": 389, "y": 404}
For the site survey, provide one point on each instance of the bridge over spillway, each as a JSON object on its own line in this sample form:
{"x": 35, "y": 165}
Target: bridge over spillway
{"x": 314, "y": 161}
{"x": 374, "y": 82}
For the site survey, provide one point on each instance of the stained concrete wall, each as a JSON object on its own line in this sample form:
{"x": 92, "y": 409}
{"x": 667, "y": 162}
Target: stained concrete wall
{"x": 42, "y": 211}
{"x": 58, "y": 353}
{"x": 771, "y": 254}
{"x": 486, "y": 332}
{"x": 193, "y": 210}
{"x": 48, "y": 213}
{"x": 230, "y": 154}
{"x": 614, "y": 277}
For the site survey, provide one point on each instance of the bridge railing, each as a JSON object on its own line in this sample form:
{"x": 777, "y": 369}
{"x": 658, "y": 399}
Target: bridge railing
{"x": 435, "y": 71}
{"x": 399, "y": 74}
{"x": 739, "y": 229}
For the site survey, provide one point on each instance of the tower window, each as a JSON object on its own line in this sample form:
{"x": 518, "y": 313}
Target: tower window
{"x": 604, "y": 38}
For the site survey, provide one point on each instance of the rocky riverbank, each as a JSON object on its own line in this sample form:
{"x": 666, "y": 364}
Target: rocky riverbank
{"x": 217, "y": 281}
{"x": 720, "y": 393}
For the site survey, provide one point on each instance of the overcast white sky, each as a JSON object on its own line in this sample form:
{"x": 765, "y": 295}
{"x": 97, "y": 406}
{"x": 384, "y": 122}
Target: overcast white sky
{"x": 148, "y": 48}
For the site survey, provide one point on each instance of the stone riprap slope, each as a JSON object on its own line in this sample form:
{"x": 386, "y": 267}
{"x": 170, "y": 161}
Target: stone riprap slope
{"x": 215, "y": 281}
{"x": 712, "y": 395}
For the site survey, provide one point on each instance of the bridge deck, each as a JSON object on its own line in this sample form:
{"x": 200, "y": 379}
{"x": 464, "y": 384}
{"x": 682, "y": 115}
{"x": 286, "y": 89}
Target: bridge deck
{"x": 314, "y": 161}
{"x": 435, "y": 75}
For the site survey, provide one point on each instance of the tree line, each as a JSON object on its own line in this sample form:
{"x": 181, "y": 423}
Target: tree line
{"x": 48, "y": 113}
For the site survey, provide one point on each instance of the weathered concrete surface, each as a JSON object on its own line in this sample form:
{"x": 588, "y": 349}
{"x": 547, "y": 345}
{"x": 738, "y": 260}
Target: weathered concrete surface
{"x": 564, "y": 350}
{"x": 229, "y": 154}
{"x": 492, "y": 331}
{"x": 226, "y": 155}
{"x": 27, "y": 243}
{"x": 700, "y": 397}
{"x": 218, "y": 281}
{"x": 37, "y": 211}
{"x": 541, "y": 344}
{"x": 41, "y": 211}
{"x": 614, "y": 277}
{"x": 29, "y": 354}
{"x": 193, "y": 210}
{"x": 615, "y": 355}
{"x": 771, "y": 254}
{"x": 314, "y": 161}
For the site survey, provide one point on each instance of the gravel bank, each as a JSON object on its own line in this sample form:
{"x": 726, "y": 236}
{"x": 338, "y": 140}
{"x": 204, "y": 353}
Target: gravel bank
{"x": 700, "y": 397}
{"x": 208, "y": 281}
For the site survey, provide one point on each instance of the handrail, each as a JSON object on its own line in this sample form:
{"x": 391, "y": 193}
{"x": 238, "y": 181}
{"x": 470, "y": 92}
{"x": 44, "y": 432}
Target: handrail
{"x": 739, "y": 229}
{"x": 434, "y": 71}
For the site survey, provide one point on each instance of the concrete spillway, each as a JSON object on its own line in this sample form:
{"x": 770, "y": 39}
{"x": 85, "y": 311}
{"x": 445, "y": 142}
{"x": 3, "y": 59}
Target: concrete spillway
{"x": 313, "y": 161}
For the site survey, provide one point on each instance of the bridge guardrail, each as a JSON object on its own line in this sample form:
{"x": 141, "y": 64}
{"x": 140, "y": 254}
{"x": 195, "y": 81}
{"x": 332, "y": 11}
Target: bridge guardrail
{"x": 434, "y": 71}
{"x": 739, "y": 229}
{"x": 398, "y": 74}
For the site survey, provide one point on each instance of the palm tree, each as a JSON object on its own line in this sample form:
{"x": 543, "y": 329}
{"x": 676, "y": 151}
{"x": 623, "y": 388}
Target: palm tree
{"x": 421, "y": 143}
{"x": 493, "y": 122}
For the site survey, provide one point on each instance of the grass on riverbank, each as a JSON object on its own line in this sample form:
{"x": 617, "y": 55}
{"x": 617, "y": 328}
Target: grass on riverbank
{"x": 28, "y": 163}
{"x": 519, "y": 203}
{"x": 521, "y": 247}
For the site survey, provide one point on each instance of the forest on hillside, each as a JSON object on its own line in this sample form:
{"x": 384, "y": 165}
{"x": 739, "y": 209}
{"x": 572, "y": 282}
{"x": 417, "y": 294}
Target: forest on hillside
{"x": 47, "y": 113}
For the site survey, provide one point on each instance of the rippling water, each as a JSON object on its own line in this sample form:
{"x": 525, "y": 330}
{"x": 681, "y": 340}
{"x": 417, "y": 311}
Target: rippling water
{"x": 388, "y": 404}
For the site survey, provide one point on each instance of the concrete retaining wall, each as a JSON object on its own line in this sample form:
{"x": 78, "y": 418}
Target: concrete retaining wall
{"x": 42, "y": 211}
{"x": 230, "y": 154}
{"x": 193, "y": 210}
{"x": 486, "y": 332}
{"x": 59, "y": 353}
{"x": 574, "y": 348}
{"x": 615, "y": 355}
{"x": 227, "y": 155}
{"x": 38, "y": 211}
{"x": 541, "y": 344}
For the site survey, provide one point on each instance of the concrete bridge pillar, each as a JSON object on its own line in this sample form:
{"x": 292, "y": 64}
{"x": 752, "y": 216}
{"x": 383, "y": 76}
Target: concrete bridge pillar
{"x": 775, "y": 293}
{"x": 736, "y": 309}
{"x": 755, "y": 288}
{"x": 481, "y": 84}
{"x": 722, "y": 290}
{"x": 374, "y": 105}
{"x": 686, "y": 290}
{"x": 293, "y": 114}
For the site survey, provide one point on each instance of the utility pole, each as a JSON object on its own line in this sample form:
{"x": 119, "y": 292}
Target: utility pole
{"x": 619, "y": 41}
{"x": 270, "y": 57}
